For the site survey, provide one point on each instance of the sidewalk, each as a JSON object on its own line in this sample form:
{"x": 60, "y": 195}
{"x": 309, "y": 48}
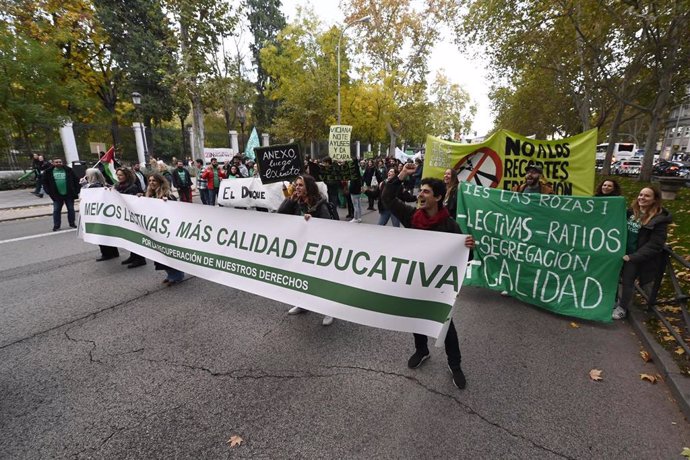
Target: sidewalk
{"x": 21, "y": 204}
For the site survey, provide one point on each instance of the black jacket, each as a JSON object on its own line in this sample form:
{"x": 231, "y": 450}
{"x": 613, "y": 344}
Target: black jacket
{"x": 404, "y": 212}
{"x": 51, "y": 188}
{"x": 290, "y": 206}
{"x": 177, "y": 183}
{"x": 650, "y": 244}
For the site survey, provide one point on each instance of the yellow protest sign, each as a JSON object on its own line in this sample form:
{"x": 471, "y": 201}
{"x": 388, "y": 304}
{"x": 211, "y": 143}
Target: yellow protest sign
{"x": 500, "y": 161}
{"x": 339, "y": 142}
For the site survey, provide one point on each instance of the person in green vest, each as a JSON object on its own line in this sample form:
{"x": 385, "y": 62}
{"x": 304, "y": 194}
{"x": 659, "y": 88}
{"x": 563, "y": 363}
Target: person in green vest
{"x": 62, "y": 185}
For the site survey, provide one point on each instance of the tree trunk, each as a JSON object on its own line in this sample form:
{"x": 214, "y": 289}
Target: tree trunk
{"x": 182, "y": 136}
{"x": 197, "y": 124}
{"x": 613, "y": 135}
{"x": 394, "y": 137}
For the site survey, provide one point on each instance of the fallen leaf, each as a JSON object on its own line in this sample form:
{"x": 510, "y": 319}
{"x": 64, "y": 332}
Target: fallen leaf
{"x": 235, "y": 441}
{"x": 595, "y": 374}
{"x": 646, "y": 357}
{"x": 667, "y": 338}
{"x": 574, "y": 325}
{"x": 686, "y": 452}
{"x": 679, "y": 351}
{"x": 650, "y": 378}
{"x": 670, "y": 309}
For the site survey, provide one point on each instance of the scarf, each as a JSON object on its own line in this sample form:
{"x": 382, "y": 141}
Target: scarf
{"x": 422, "y": 221}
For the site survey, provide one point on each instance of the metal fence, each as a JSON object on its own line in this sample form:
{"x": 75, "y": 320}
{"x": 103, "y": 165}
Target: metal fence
{"x": 16, "y": 152}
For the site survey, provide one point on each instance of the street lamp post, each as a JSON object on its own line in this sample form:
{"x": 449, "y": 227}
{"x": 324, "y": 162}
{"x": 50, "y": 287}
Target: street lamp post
{"x": 242, "y": 117}
{"x": 136, "y": 100}
{"x": 357, "y": 21}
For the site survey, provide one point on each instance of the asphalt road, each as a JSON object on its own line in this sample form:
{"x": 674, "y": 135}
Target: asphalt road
{"x": 98, "y": 361}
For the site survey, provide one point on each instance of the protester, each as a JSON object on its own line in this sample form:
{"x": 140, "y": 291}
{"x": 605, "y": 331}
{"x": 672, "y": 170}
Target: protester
{"x": 450, "y": 201}
{"x": 200, "y": 182}
{"x": 430, "y": 215}
{"x": 648, "y": 224}
{"x": 164, "y": 171}
{"x": 354, "y": 189}
{"x": 306, "y": 201}
{"x": 234, "y": 172}
{"x": 127, "y": 184}
{"x": 62, "y": 185}
{"x": 38, "y": 165}
{"x": 238, "y": 162}
{"x": 213, "y": 175}
{"x": 93, "y": 178}
{"x": 160, "y": 188}
{"x": 384, "y": 213}
{"x": 371, "y": 180}
{"x": 533, "y": 181}
{"x": 608, "y": 187}
{"x": 182, "y": 182}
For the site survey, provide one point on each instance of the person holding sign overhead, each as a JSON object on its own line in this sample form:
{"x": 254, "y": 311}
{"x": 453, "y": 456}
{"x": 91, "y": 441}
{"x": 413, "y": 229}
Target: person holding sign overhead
{"x": 533, "y": 181}
{"x": 429, "y": 215}
{"x": 647, "y": 227}
{"x": 305, "y": 200}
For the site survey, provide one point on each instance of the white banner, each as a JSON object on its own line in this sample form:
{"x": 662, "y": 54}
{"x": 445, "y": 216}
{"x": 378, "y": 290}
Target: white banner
{"x": 252, "y": 193}
{"x": 404, "y": 280}
{"x": 220, "y": 154}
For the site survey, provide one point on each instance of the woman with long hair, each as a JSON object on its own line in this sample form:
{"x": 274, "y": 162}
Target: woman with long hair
{"x": 93, "y": 178}
{"x": 647, "y": 229}
{"x": 306, "y": 200}
{"x": 160, "y": 188}
{"x": 608, "y": 187}
{"x": 450, "y": 200}
{"x": 127, "y": 184}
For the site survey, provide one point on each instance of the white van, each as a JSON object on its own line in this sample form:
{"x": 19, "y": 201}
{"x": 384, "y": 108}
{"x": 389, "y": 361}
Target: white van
{"x": 621, "y": 151}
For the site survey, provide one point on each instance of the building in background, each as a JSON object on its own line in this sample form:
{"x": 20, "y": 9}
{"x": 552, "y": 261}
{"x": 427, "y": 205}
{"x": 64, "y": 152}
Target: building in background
{"x": 676, "y": 141}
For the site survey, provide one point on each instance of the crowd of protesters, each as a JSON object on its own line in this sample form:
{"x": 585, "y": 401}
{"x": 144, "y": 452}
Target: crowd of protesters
{"x": 387, "y": 184}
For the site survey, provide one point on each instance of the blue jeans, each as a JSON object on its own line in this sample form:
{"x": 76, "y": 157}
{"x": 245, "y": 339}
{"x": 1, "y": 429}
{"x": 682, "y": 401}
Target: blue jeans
{"x": 211, "y": 195}
{"x": 384, "y": 216}
{"x": 357, "y": 205}
{"x": 57, "y": 210}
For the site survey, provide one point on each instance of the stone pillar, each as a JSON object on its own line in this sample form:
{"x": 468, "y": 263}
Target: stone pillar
{"x": 139, "y": 130}
{"x": 359, "y": 156}
{"x": 265, "y": 140}
{"x": 69, "y": 144}
{"x": 234, "y": 142}
{"x": 195, "y": 154}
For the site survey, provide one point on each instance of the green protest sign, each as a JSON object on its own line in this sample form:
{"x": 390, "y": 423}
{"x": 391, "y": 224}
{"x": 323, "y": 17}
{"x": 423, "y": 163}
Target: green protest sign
{"x": 561, "y": 253}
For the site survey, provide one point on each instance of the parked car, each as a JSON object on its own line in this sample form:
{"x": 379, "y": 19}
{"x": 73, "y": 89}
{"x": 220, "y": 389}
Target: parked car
{"x": 627, "y": 167}
{"x": 672, "y": 169}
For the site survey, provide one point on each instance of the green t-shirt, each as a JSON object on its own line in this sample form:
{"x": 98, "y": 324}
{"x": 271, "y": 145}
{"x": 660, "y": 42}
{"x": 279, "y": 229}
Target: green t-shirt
{"x": 60, "y": 176}
{"x": 182, "y": 177}
{"x": 216, "y": 178}
{"x": 633, "y": 230}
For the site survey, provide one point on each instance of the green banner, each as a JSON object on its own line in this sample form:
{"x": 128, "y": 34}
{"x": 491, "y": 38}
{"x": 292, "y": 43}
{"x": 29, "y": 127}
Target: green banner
{"x": 500, "y": 161}
{"x": 560, "y": 253}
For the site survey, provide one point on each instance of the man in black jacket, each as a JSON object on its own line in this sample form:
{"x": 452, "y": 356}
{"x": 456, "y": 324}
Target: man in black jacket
{"x": 429, "y": 215}
{"x": 62, "y": 185}
{"x": 182, "y": 182}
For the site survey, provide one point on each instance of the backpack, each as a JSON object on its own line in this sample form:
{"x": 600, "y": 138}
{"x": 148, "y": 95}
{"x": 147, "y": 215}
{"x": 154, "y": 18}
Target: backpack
{"x": 332, "y": 210}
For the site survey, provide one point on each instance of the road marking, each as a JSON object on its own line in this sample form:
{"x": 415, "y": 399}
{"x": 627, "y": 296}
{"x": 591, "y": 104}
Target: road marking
{"x": 13, "y": 240}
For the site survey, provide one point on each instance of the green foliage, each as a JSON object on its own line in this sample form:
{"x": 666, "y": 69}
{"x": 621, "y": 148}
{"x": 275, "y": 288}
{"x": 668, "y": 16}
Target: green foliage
{"x": 265, "y": 21}
{"x": 33, "y": 95}
{"x": 451, "y": 110}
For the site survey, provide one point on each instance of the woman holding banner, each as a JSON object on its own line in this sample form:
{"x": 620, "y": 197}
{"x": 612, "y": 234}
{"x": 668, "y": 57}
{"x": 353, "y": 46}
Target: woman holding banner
{"x": 647, "y": 228}
{"x": 159, "y": 187}
{"x": 127, "y": 184}
{"x": 93, "y": 178}
{"x": 306, "y": 201}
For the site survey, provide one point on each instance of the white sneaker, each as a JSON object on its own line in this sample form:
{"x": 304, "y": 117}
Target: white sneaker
{"x": 295, "y": 310}
{"x": 353, "y": 221}
{"x": 327, "y": 321}
{"x": 619, "y": 312}
{"x": 505, "y": 293}
{"x": 359, "y": 221}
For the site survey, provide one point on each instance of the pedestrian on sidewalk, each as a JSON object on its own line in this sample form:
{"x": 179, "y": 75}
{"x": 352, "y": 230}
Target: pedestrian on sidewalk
{"x": 429, "y": 215}
{"x": 62, "y": 185}
{"x": 200, "y": 182}
{"x": 39, "y": 165}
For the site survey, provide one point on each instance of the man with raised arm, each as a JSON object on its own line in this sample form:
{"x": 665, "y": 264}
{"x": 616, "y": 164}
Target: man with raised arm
{"x": 429, "y": 215}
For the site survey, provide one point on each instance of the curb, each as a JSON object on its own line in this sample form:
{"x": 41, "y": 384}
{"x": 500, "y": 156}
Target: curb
{"x": 677, "y": 382}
